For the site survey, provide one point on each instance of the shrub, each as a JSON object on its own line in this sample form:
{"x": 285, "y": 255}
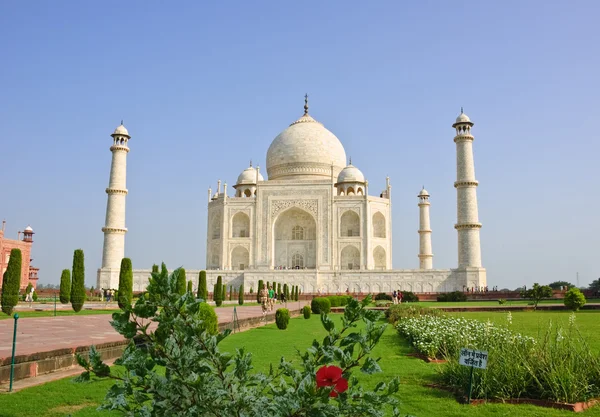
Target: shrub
{"x": 125, "y": 284}
{"x": 251, "y": 290}
{"x": 181, "y": 281}
{"x": 335, "y": 300}
{"x": 454, "y": 296}
{"x": 78, "y": 281}
{"x": 306, "y": 312}
{"x": 207, "y": 314}
{"x": 202, "y": 287}
{"x": 537, "y": 293}
{"x": 35, "y": 296}
{"x": 574, "y": 299}
{"x": 320, "y": 305}
{"x": 398, "y": 312}
{"x": 65, "y": 286}
{"x": 11, "y": 282}
{"x": 219, "y": 291}
{"x": 202, "y": 380}
{"x": 502, "y": 301}
{"x": 241, "y": 295}
{"x": 383, "y": 296}
{"x": 409, "y": 297}
{"x": 282, "y": 318}
{"x": 346, "y": 299}
{"x": 260, "y": 287}
{"x": 383, "y": 303}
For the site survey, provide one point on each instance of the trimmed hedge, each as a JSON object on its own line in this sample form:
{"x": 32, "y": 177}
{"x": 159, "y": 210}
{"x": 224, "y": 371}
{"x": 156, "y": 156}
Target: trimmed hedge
{"x": 282, "y": 318}
{"x": 454, "y": 296}
{"x": 190, "y": 287}
{"x": 11, "y": 282}
{"x": 208, "y": 316}
{"x": 306, "y": 312}
{"x": 339, "y": 300}
{"x": 65, "y": 286}
{"x": 202, "y": 287}
{"x": 181, "y": 281}
{"x": 409, "y": 297}
{"x": 218, "y": 296}
{"x": 383, "y": 296}
{"x": 320, "y": 305}
{"x": 78, "y": 281}
{"x": 125, "y": 284}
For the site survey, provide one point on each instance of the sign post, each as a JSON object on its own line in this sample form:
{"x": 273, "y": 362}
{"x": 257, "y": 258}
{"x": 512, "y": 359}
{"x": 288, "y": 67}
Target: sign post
{"x": 474, "y": 359}
{"x": 12, "y": 360}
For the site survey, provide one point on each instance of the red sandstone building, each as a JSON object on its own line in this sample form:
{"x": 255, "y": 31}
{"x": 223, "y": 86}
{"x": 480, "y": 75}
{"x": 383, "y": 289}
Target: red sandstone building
{"x": 29, "y": 274}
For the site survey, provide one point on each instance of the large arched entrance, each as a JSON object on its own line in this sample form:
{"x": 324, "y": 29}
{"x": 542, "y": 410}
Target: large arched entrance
{"x": 294, "y": 238}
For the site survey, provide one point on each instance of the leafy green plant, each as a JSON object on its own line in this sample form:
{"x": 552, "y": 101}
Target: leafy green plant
{"x": 537, "y": 293}
{"x": 574, "y": 299}
{"x": 306, "y": 312}
{"x": 65, "y": 286}
{"x": 125, "y": 283}
{"x": 282, "y": 318}
{"x": 78, "y": 281}
{"x": 320, "y": 305}
{"x": 200, "y": 380}
{"x": 502, "y": 301}
{"x": 11, "y": 282}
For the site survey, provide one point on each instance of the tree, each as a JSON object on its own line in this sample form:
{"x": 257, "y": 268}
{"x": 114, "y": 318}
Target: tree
{"x": 537, "y": 293}
{"x": 595, "y": 285}
{"x": 78, "y": 281}
{"x": 279, "y": 288}
{"x": 219, "y": 291}
{"x": 224, "y": 295}
{"x": 574, "y": 299}
{"x": 190, "y": 287}
{"x": 231, "y": 293}
{"x": 557, "y": 284}
{"x": 202, "y": 287}
{"x": 181, "y": 281}
{"x": 155, "y": 269}
{"x": 125, "y": 284}
{"x": 260, "y": 287}
{"x": 11, "y": 282}
{"x": 241, "y": 295}
{"x": 65, "y": 286}
{"x": 286, "y": 292}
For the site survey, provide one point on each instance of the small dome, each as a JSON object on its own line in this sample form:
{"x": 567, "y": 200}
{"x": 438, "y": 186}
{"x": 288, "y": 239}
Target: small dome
{"x": 248, "y": 176}
{"x": 120, "y": 130}
{"x": 350, "y": 174}
{"x": 423, "y": 193}
{"x": 28, "y": 229}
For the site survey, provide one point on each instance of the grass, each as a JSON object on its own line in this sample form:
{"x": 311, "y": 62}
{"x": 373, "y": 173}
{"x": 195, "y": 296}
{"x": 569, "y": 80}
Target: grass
{"x": 474, "y": 303}
{"x": 268, "y": 344}
{"x": 50, "y": 313}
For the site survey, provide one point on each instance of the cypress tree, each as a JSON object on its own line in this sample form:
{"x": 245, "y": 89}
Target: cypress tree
{"x": 286, "y": 292}
{"x": 219, "y": 291}
{"x": 231, "y": 293}
{"x": 181, "y": 281}
{"x": 65, "y": 286}
{"x": 155, "y": 269}
{"x": 125, "y": 284}
{"x": 214, "y": 292}
{"x": 78, "y": 281}
{"x": 224, "y": 295}
{"x": 190, "y": 287}
{"x": 202, "y": 288}
{"x": 11, "y": 282}
{"x": 241, "y": 295}
{"x": 275, "y": 289}
{"x": 260, "y": 287}
{"x": 279, "y": 288}
{"x": 297, "y": 295}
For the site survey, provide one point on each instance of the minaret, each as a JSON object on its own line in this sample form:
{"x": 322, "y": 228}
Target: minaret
{"x": 467, "y": 225}
{"x": 425, "y": 255}
{"x": 114, "y": 229}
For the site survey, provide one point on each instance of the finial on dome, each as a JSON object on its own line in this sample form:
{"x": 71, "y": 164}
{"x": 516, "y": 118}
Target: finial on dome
{"x": 121, "y": 122}
{"x": 305, "y": 104}
{"x": 461, "y": 110}
{"x": 350, "y": 163}
{"x": 251, "y": 163}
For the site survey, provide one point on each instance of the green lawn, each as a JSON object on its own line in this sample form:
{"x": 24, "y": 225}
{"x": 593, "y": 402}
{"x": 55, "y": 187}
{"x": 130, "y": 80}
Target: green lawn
{"x": 63, "y": 397}
{"x": 491, "y": 303}
{"x": 50, "y": 313}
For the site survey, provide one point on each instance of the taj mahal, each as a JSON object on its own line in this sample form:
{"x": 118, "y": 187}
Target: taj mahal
{"x": 311, "y": 223}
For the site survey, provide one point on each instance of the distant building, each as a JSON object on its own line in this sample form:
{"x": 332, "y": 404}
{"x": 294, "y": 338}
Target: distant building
{"x": 29, "y": 274}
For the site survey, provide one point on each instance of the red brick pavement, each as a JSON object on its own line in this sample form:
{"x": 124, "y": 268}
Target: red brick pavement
{"x": 44, "y": 334}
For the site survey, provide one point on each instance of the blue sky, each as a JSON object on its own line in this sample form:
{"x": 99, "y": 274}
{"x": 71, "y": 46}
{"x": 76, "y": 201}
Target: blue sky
{"x": 205, "y": 87}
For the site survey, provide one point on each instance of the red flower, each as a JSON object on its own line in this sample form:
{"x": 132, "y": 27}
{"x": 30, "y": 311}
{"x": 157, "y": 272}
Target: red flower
{"x": 329, "y": 376}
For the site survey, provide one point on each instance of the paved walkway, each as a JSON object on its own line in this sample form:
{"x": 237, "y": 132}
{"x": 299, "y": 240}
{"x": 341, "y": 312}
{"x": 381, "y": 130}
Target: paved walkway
{"x": 43, "y": 334}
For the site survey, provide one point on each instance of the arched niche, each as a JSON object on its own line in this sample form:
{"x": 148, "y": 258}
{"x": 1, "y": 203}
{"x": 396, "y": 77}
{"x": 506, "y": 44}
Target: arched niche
{"x": 215, "y": 227}
{"x": 240, "y": 258}
{"x": 349, "y": 224}
{"x": 379, "y": 258}
{"x": 294, "y": 234}
{"x": 379, "y": 225}
{"x": 240, "y": 225}
{"x": 350, "y": 258}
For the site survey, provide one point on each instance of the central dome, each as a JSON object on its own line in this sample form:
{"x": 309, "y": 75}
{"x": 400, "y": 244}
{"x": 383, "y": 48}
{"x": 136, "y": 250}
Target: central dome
{"x": 305, "y": 150}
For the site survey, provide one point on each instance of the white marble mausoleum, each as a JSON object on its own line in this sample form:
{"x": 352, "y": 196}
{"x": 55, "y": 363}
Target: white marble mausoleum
{"x": 314, "y": 222}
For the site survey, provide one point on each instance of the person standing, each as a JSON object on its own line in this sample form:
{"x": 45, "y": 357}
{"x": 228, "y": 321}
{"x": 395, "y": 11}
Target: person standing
{"x": 271, "y": 298}
{"x": 395, "y": 297}
{"x": 264, "y": 299}
{"x": 399, "y": 297}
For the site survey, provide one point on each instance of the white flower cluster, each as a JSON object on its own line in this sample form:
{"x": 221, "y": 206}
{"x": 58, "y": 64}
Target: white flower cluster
{"x": 443, "y": 337}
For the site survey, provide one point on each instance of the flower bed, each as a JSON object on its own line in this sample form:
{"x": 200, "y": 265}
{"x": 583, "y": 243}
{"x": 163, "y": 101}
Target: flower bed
{"x": 559, "y": 366}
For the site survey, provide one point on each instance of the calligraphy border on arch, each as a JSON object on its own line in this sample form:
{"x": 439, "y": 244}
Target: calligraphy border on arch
{"x": 277, "y": 206}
